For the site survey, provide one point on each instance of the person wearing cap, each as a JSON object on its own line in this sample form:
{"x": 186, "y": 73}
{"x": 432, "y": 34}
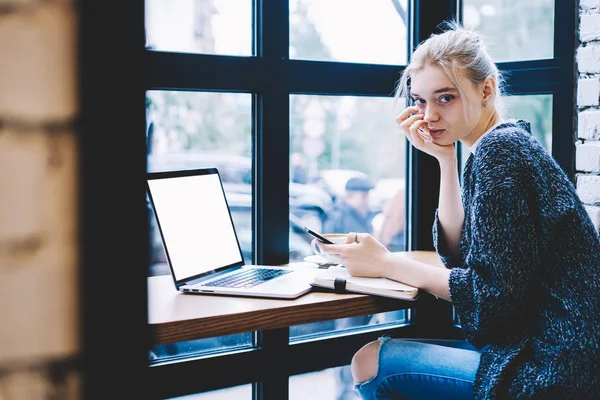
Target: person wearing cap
{"x": 352, "y": 214}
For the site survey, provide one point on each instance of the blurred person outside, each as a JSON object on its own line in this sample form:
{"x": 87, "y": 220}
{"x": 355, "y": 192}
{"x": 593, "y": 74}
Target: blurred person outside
{"x": 298, "y": 168}
{"x": 390, "y": 231}
{"x": 352, "y": 214}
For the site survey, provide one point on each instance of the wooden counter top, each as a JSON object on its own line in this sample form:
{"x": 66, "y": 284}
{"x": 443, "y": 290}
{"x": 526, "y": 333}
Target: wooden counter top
{"x": 176, "y": 317}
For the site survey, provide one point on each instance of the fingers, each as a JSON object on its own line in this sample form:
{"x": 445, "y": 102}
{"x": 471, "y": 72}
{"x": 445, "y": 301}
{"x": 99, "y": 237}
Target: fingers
{"x": 406, "y": 113}
{"x": 414, "y": 127}
{"x": 425, "y": 134}
{"x": 351, "y": 238}
{"x": 332, "y": 248}
{"x": 361, "y": 237}
{"x": 418, "y": 129}
{"x": 413, "y": 133}
{"x": 407, "y": 123}
{"x": 339, "y": 249}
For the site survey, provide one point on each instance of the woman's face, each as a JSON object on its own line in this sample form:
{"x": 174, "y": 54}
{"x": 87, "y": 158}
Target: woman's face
{"x": 449, "y": 116}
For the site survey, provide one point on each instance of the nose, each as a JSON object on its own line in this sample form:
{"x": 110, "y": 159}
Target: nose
{"x": 431, "y": 114}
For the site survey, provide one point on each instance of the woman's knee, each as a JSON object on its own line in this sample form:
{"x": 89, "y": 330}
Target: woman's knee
{"x": 365, "y": 362}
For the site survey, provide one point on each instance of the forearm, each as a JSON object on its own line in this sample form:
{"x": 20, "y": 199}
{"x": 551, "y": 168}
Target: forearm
{"x": 430, "y": 278}
{"x": 450, "y": 209}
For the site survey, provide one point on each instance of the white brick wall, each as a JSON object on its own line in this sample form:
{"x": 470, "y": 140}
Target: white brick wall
{"x": 588, "y": 188}
{"x": 587, "y": 92}
{"x": 588, "y": 58}
{"x": 588, "y": 5}
{"x": 587, "y": 156}
{"x": 595, "y": 215}
{"x": 587, "y": 150}
{"x": 588, "y": 124}
{"x": 590, "y": 27}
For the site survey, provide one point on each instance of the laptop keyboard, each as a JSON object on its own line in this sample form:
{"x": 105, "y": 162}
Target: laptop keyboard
{"x": 248, "y": 278}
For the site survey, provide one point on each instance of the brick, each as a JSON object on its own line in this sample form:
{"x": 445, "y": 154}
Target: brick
{"x": 588, "y": 125}
{"x": 587, "y": 156}
{"x": 589, "y": 28}
{"x": 588, "y": 58}
{"x": 594, "y": 213}
{"x": 588, "y": 92}
{"x": 587, "y": 5}
{"x": 588, "y": 188}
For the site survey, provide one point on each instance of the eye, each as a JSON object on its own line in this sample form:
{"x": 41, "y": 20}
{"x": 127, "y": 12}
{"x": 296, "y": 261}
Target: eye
{"x": 446, "y": 98}
{"x": 419, "y": 101}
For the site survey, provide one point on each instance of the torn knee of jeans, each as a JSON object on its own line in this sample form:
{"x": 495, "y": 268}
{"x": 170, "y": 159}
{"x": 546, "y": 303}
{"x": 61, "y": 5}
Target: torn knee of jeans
{"x": 381, "y": 341}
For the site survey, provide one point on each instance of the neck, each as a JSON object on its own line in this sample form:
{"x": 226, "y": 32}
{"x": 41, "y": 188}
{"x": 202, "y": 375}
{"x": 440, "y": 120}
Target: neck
{"x": 482, "y": 127}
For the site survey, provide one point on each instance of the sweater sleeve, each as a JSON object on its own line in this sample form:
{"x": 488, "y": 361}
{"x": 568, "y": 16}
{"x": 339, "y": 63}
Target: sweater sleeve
{"x": 439, "y": 242}
{"x": 490, "y": 290}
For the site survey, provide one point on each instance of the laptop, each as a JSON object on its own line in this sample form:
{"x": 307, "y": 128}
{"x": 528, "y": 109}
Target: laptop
{"x": 202, "y": 246}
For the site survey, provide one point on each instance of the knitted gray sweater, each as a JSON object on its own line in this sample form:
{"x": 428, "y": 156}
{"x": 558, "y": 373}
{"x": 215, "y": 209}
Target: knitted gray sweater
{"x": 527, "y": 280}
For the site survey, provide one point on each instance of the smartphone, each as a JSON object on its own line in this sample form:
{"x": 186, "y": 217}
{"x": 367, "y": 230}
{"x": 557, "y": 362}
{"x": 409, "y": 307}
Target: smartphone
{"x": 318, "y": 236}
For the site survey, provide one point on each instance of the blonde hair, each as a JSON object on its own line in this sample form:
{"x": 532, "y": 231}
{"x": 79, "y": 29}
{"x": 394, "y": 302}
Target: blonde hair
{"x": 459, "y": 52}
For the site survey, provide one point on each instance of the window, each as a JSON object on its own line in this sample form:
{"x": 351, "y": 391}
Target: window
{"x": 210, "y": 346}
{"x": 537, "y": 109}
{"x": 237, "y": 392}
{"x": 513, "y": 29}
{"x": 335, "y": 138}
{"x": 331, "y": 383}
{"x": 346, "y": 30}
{"x": 200, "y": 26}
{"x": 300, "y": 93}
{"x": 347, "y": 325}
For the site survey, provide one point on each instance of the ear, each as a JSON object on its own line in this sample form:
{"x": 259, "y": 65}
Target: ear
{"x": 488, "y": 89}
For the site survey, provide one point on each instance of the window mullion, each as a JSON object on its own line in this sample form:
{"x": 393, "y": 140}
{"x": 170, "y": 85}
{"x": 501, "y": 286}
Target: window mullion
{"x": 424, "y": 176}
{"x": 275, "y": 345}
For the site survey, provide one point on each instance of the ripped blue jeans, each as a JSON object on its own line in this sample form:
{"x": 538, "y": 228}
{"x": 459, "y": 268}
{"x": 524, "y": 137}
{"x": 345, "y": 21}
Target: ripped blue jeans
{"x": 428, "y": 369}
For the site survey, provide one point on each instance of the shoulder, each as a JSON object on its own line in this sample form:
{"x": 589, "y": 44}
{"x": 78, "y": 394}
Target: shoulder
{"x": 510, "y": 151}
{"x": 511, "y": 139}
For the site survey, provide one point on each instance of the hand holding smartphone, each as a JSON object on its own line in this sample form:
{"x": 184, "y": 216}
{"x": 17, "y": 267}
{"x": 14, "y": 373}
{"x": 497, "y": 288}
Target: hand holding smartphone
{"x": 318, "y": 236}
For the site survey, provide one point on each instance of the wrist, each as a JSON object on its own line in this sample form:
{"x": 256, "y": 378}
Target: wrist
{"x": 387, "y": 265}
{"x": 449, "y": 163}
{"x": 449, "y": 160}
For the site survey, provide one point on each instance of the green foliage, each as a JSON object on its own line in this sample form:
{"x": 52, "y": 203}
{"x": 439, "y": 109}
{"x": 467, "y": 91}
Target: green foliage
{"x": 203, "y": 121}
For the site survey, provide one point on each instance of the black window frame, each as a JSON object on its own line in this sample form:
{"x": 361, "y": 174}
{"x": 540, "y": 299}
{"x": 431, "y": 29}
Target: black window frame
{"x": 112, "y": 155}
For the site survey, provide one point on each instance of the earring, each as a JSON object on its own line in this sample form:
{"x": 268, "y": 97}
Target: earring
{"x": 484, "y": 104}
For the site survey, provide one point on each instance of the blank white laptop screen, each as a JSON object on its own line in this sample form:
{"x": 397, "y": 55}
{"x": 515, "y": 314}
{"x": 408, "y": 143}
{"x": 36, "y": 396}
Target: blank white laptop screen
{"x": 195, "y": 223}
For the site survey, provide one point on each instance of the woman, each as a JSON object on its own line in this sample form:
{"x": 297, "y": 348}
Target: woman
{"x": 522, "y": 255}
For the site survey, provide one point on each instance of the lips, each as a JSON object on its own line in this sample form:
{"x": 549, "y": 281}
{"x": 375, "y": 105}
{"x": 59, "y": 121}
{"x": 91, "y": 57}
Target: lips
{"x": 435, "y": 133}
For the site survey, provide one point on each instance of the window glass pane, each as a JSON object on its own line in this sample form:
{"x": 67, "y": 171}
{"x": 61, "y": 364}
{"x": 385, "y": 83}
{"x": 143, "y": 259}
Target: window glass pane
{"x": 349, "y": 31}
{"x": 334, "y": 139}
{"x": 307, "y": 331}
{"x": 174, "y": 351}
{"x": 200, "y": 26}
{"x": 187, "y": 130}
{"x": 237, "y": 392}
{"x": 513, "y": 29}
{"x": 535, "y": 108}
{"x": 332, "y": 383}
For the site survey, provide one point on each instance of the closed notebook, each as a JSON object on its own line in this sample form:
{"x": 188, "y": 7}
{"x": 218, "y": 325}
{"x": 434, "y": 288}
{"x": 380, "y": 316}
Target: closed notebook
{"x": 338, "y": 279}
